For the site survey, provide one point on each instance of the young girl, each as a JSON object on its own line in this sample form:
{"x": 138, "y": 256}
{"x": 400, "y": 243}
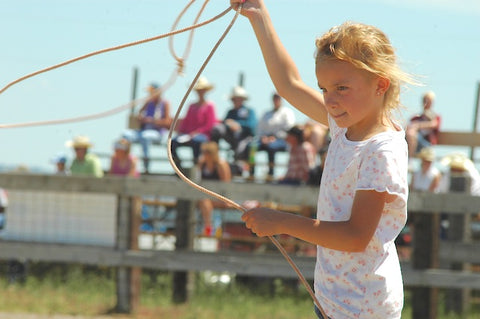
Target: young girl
{"x": 362, "y": 204}
{"x": 211, "y": 167}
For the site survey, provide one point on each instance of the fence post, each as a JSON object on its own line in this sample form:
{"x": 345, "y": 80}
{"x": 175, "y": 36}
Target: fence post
{"x": 128, "y": 278}
{"x": 459, "y": 230}
{"x": 425, "y": 256}
{"x": 183, "y": 281}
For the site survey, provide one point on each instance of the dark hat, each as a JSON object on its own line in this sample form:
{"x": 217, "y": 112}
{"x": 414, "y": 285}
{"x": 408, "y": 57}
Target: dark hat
{"x": 297, "y": 132}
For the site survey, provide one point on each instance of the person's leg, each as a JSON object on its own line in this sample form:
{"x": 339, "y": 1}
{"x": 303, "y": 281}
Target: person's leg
{"x": 411, "y": 134}
{"x": 422, "y": 142}
{"x": 218, "y": 132}
{"x": 175, "y": 146}
{"x": 196, "y": 144}
{"x": 146, "y": 138}
{"x": 272, "y": 148}
{"x": 206, "y": 207}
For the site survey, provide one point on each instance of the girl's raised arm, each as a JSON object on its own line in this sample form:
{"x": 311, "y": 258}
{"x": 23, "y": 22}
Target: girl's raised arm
{"x": 280, "y": 66}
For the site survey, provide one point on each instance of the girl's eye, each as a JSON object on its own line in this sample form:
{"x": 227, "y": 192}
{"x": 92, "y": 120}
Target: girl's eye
{"x": 323, "y": 90}
{"x": 342, "y": 88}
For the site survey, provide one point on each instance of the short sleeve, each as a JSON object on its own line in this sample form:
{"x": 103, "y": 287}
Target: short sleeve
{"x": 383, "y": 169}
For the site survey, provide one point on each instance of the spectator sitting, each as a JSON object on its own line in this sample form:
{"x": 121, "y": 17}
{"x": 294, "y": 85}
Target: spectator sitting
{"x": 427, "y": 178}
{"x": 211, "y": 167}
{"x": 302, "y": 158}
{"x": 196, "y": 126}
{"x": 315, "y": 175}
{"x": 238, "y": 127}
{"x": 154, "y": 118}
{"x": 317, "y": 134}
{"x": 272, "y": 131}
{"x": 459, "y": 163}
{"x": 60, "y": 162}
{"x": 122, "y": 163}
{"x": 422, "y": 131}
{"x": 85, "y": 163}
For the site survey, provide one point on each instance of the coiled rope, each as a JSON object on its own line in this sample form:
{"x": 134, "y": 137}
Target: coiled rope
{"x": 88, "y": 55}
{"x": 175, "y": 120}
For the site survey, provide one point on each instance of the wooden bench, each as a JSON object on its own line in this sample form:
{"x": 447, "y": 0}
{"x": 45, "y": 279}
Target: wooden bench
{"x": 450, "y": 138}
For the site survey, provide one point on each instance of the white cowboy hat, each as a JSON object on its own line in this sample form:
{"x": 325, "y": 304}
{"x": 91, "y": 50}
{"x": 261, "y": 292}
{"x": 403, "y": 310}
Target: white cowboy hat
{"x": 239, "y": 91}
{"x": 203, "y": 84}
{"x": 427, "y": 154}
{"x": 79, "y": 142}
{"x": 458, "y": 161}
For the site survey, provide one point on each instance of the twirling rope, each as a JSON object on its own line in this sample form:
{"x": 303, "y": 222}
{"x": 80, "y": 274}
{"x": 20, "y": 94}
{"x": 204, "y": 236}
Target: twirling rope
{"x": 186, "y": 52}
{"x": 175, "y": 120}
{"x": 88, "y": 55}
{"x": 218, "y": 196}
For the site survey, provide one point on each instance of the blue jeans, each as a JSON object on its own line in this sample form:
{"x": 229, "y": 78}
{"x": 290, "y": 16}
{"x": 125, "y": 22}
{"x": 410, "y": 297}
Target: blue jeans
{"x": 144, "y": 138}
{"x": 195, "y": 143}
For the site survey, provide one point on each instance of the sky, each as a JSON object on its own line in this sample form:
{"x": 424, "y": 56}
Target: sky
{"x": 438, "y": 41}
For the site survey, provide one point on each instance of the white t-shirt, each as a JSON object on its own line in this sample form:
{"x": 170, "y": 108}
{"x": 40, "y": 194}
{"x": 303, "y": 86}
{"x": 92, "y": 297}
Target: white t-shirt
{"x": 276, "y": 123}
{"x": 366, "y": 284}
{"x": 421, "y": 181}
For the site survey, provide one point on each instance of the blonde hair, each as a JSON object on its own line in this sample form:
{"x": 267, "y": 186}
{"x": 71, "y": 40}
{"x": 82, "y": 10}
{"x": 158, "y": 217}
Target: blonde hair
{"x": 430, "y": 95}
{"x": 368, "y": 48}
{"x": 212, "y": 148}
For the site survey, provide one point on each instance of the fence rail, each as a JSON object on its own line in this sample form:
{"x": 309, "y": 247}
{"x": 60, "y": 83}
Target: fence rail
{"x": 125, "y": 255}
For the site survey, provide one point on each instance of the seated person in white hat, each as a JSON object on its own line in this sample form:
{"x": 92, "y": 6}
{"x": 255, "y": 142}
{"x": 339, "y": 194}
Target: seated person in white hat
{"x": 427, "y": 178}
{"x": 239, "y": 125}
{"x": 272, "y": 132}
{"x": 459, "y": 163}
{"x": 84, "y": 163}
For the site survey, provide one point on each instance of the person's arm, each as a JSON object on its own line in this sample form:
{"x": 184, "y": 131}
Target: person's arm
{"x": 224, "y": 171}
{"x": 280, "y": 66}
{"x": 112, "y": 160}
{"x": 250, "y": 122}
{"x": 133, "y": 167}
{"x": 352, "y": 235}
{"x": 165, "y": 121}
{"x": 435, "y": 183}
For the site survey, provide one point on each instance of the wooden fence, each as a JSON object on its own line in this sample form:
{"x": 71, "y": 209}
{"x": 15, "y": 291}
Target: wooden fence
{"x": 125, "y": 255}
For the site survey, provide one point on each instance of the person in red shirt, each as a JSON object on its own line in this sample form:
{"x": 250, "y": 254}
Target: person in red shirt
{"x": 422, "y": 131}
{"x": 195, "y": 127}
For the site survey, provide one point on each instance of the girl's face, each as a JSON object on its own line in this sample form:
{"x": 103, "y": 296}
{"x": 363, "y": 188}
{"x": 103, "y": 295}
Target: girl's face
{"x": 353, "y": 97}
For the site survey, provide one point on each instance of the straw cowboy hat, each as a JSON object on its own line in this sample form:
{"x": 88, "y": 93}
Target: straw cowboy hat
{"x": 240, "y": 92}
{"x": 458, "y": 161}
{"x": 203, "y": 84}
{"x": 79, "y": 142}
{"x": 427, "y": 154}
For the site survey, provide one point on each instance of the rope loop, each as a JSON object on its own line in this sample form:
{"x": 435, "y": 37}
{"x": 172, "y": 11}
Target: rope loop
{"x": 180, "y": 64}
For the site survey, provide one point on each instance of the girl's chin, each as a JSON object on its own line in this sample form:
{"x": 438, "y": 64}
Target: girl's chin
{"x": 340, "y": 123}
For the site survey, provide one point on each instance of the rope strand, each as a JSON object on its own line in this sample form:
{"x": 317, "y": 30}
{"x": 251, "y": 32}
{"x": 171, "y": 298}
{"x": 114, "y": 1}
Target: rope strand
{"x": 218, "y": 196}
{"x": 115, "y": 48}
{"x": 175, "y": 120}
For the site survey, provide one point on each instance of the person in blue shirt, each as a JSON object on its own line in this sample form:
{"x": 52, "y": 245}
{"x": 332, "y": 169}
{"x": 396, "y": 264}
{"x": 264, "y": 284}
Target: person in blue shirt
{"x": 238, "y": 127}
{"x": 154, "y": 121}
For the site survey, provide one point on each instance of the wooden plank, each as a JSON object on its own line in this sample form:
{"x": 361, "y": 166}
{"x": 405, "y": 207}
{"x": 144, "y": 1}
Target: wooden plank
{"x": 452, "y": 203}
{"x": 268, "y": 265}
{"x": 459, "y": 138}
{"x": 457, "y": 251}
{"x": 457, "y": 203}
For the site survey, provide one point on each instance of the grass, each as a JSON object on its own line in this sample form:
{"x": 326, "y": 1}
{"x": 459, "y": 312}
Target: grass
{"x": 76, "y": 290}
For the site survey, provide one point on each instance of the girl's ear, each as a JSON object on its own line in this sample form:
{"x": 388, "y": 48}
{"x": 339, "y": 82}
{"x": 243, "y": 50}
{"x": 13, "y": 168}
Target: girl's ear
{"x": 382, "y": 85}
